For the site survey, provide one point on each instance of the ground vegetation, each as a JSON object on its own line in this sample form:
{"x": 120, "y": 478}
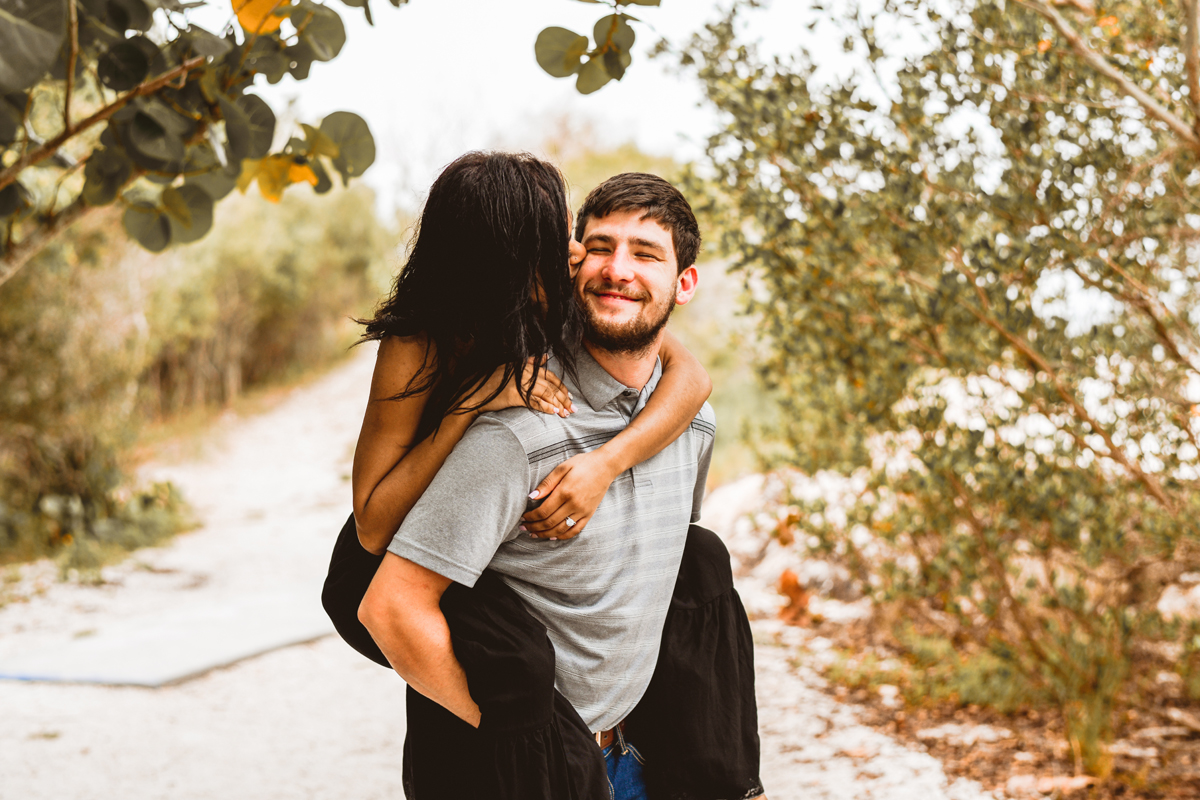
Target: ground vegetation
{"x": 100, "y": 340}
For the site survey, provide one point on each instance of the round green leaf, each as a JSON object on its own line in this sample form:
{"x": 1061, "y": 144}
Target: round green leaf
{"x": 207, "y": 44}
{"x": 356, "y": 145}
{"x": 592, "y": 76}
{"x": 559, "y": 51}
{"x": 262, "y": 124}
{"x": 197, "y": 221}
{"x": 175, "y": 206}
{"x": 123, "y": 66}
{"x": 148, "y": 226}
{"x": 364, "y": 5}
{"x": 216, "y": 183}
{"x": 154, "y": 56}
{"x": 31, "y": 36}
{"x": 267, "y": 57}
{"x": 300, "y": 58}
{"x": 148, "y": 137}
{"x": 623, "y": 35}
{"x": 126, "y": 15}
{"x": 155, "y": 135}
{"x": 201, "y": 157}
{"x": 237, "y": 130}
{"x": 104, "y": 174}
{"x": 249, "y": 126}
{"x": 94, "y": 32}
{"x": 324, "y": 184}
{"x": 321, "y": 29}
{"x": 616, "y": 62}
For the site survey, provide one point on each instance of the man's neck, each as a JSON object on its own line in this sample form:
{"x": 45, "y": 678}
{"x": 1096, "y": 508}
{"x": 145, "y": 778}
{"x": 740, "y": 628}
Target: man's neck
{"x": 632, "y": 369}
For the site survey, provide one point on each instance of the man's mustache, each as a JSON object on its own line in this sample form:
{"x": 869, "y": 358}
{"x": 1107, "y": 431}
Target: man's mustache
{"x": 608, "y": 288}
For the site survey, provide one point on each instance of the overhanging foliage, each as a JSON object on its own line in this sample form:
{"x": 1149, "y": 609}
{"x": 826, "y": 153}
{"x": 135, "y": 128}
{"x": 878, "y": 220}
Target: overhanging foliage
{"x": 129, "y": 101}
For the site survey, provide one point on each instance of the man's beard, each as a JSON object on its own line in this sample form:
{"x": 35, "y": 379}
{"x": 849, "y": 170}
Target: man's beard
{"x": 633, "y": 337}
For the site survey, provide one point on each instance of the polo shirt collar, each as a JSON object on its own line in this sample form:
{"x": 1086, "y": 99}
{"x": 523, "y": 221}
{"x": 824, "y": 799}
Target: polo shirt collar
{"x": 599, "y": 388}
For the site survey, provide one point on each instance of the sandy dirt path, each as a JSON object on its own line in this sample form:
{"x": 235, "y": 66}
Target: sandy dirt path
{"x": 316, "y": 720}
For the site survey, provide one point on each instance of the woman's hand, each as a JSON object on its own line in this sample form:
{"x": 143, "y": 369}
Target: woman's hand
{"x": 549, "y": 395}
{"x": 574, "y": 489}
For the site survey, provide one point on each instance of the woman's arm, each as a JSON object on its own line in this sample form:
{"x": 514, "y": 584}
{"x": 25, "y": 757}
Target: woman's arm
{"x": 390, "y": 474}
{"x": 577, "y": 485}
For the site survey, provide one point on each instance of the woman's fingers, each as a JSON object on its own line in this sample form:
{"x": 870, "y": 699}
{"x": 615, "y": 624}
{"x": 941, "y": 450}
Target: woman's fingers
{"x": 554, "y": 385}
{"x": 554, "y": 395}
{"x": 556, "y": 526}
{"x": 562, "y": 531}
{"x": 547, "y": 486}
{"x": 538, "y": 404}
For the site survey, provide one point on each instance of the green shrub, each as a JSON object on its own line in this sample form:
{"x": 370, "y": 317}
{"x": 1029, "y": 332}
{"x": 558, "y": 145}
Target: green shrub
{"x": 96, "y": 337}
{"x": 975, "y": 270}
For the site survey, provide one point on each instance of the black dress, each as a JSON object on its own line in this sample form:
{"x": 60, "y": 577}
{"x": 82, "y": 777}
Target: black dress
{"x": 696, "y": 725}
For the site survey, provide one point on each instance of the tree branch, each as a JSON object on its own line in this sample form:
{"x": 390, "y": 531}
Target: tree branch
{"x": 1114, "y": 451}
{"x": 72, "y": 56}
{"x": 1191, "y": 47}
{"x": 1099, "y": 63}
{"x": 21, "y": 252}
{"x": 51, "y": 147}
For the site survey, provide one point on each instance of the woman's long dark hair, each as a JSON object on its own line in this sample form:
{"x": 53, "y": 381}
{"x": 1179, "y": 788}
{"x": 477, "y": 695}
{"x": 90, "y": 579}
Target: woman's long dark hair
{"x": 494, "y": 229}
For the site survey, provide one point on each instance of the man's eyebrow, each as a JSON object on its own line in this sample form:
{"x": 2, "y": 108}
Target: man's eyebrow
{"x": 608, "y": 239}
{"x": 648, "y": 244}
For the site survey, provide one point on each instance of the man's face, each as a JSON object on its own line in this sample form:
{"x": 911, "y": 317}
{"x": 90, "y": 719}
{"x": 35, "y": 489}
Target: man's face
{"x": 629, "y": 281}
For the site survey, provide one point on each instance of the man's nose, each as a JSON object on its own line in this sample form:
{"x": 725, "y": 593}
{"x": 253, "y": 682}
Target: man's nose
{"x": 619, "y": 268}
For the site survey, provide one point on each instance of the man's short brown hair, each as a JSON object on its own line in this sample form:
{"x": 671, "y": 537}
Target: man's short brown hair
{"x": 656, "y": 199}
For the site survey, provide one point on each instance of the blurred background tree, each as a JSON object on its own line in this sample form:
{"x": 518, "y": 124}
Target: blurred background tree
{"x": 99, "y": 338}
{"x": 126, "y": 116}
{"x": 976, "y": 272}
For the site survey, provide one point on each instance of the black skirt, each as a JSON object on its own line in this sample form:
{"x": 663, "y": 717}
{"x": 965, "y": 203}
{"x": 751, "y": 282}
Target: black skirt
{"x": 696, "y": 725}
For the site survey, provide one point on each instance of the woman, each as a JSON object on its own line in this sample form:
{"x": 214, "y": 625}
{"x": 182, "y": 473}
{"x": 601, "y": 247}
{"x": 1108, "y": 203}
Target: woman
{"x": 483, "y": 297}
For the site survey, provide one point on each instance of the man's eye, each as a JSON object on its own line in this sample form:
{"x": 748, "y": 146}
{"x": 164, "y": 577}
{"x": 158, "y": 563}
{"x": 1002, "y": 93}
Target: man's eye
{"x": 598, "y": 250}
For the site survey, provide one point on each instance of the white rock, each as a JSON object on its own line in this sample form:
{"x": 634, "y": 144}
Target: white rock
{"x": 964, "y": 735}
{"x": 890, "y": 695}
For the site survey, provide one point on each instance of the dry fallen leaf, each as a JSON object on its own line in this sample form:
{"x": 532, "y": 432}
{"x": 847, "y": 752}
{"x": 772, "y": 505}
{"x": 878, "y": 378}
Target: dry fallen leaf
{"x": 796, "y": 610}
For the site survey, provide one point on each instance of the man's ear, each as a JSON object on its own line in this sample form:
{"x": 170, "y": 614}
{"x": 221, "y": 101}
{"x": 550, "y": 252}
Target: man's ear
{"x": 685, "y": 285}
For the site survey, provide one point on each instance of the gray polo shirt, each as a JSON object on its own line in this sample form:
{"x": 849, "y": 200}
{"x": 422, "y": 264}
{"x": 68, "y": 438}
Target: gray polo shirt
{"x": 603, "y": 595}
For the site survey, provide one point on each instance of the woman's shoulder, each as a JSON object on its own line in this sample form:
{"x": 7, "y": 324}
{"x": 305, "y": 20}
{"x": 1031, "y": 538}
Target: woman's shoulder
{"x": 399, "y": 359}
{"x": 392, "y": 346}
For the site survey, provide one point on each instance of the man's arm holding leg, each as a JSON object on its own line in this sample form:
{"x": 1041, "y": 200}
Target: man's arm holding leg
{"x": 401, "y": 610}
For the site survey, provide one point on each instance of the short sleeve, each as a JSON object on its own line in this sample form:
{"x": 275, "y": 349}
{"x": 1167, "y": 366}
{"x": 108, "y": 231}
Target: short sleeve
{"x": 473, "y": 504}
{"x": 704, "y": 460}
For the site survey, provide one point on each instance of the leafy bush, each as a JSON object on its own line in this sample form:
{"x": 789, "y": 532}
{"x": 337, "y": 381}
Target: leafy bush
{"x": 99, "y": 337}
{"x": 979, "y": 290}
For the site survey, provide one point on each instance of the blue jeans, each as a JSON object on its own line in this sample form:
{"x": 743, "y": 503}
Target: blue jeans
{"x": 624, "y": 764}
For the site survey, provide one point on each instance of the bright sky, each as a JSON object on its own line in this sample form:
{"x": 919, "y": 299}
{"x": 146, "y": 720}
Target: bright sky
{"x": 436, "y": 78}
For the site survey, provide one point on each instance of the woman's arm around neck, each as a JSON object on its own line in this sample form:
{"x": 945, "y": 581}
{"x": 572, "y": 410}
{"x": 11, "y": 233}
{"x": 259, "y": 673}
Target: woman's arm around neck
{"x": 576, "y": 486}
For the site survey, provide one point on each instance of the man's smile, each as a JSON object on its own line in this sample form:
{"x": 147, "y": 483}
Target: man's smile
{"x": 614, "y": 297}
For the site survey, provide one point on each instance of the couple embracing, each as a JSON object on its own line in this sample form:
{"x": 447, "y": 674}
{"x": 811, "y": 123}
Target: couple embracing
{"x": 532, "y": 460}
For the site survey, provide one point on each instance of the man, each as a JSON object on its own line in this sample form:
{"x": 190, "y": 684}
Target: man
{"x": 602, "y": 597}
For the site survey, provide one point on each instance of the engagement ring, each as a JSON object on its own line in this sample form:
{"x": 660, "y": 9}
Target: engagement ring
{"x": 570, "y": 522}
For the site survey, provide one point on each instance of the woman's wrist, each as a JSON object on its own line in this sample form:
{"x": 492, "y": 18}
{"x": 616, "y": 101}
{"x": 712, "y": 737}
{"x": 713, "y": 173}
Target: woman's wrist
{"x": 612, "y": 459}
